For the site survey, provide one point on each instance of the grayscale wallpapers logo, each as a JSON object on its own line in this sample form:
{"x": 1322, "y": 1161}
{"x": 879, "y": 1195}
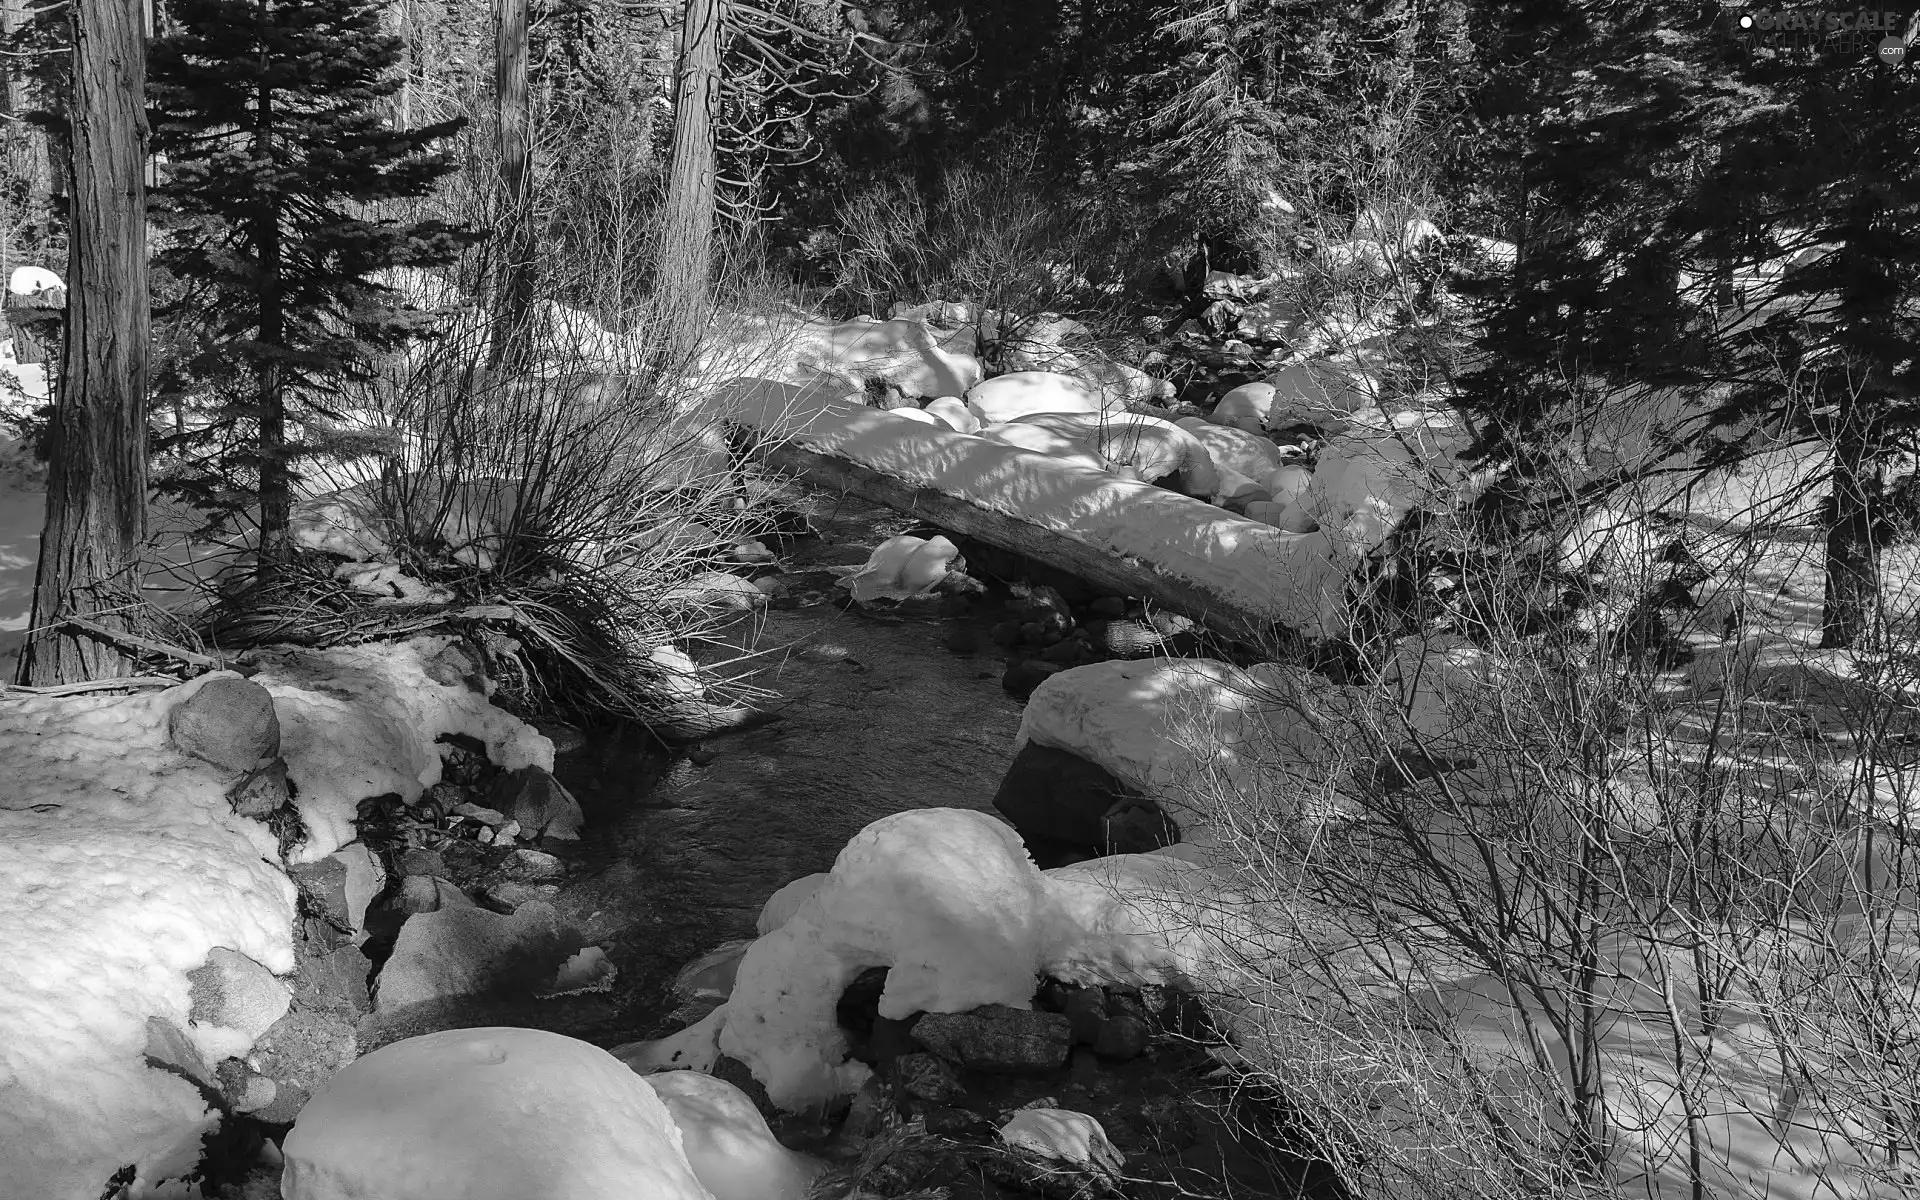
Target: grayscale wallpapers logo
{"x": 1884, "y": 34}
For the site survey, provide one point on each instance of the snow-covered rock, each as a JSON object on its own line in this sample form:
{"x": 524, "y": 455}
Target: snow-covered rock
{"x": 1024, "y": 393}
{"x": 361, "y": 721}
{"x": 1231, "y": 446}
{"x": 33, "y": 282}
{"x": 1062, "y": 1136}
{"x": 1362, "y": 255}
{"x": 488, "y": 1114}
{"x": 907, "y": 355}
{"x": 1137, "y": 447}
{"x": 235, "y": 1000}
{"x": 1187, "y": 732}
{"x": 949, "y": 901}
{"x": 1244, "y": 408}
{"x": 1318, "y": 392}
{"x": 122, "y": 868}
{"x": 903, "y": 566}
{"x": 1367, "y": 481}
{"x": 915, "y": 414}
{"x": 727, "y": 1142}
{"x": 955, "y": 413}
{"x": 1038, "y": 439}
{"x": 781, "y": 906}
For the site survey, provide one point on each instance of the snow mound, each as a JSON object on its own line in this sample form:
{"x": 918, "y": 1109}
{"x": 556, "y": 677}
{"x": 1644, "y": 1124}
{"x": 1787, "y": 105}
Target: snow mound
{"x": 949, "y": 901}
{"x": 122, "y": 867}
{"x": 728, "y": 1143}
{"x": 361, "y": 721}
{"x": 487, "y": 1114}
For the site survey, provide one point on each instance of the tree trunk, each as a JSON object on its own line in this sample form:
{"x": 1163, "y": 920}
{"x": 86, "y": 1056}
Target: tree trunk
{"x": 97, "y": 487}
{"x": 276, "y": 481}
{"x": 1853, "y": 553}
{"x": 686, "y": 239}
{"x": 513, "y": 298}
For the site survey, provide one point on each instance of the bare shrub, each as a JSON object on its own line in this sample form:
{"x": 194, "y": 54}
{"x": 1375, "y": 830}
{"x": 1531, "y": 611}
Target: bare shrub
{"x": 1549, "y": 919}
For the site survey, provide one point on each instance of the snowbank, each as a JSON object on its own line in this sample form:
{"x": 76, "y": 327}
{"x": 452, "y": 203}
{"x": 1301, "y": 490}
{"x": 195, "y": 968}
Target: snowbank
{"x": 361, "y": 721}
{"x": 121, "y": 867}
{"x": 487, "y": 1114}
{"x": 1253, "y": 572}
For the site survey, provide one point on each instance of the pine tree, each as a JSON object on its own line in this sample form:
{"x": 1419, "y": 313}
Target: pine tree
{"x": 1672, "y": 159}
{"x": 269, "y": 113}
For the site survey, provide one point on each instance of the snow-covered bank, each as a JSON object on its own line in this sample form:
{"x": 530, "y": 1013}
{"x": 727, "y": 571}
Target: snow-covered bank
{"x": 149, "y": 921}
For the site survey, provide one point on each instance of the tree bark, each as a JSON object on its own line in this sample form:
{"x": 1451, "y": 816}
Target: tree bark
{"x": 686, "y": 241}
{"x": 276, "y": 480}
{"x": 1853, "y": 552}
{"x": 97, "y": 487}
{"x": 515, "y": 280}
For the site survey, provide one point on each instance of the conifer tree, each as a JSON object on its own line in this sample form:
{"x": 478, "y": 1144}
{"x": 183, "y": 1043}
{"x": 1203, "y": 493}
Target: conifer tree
{"x": 269, "y": 114}
{"x": 1674, "y": 157}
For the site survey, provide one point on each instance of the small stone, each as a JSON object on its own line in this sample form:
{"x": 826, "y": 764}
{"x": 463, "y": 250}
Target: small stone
{"x": 540, "y": 804}
{"x": 261, "y": 791}
{"x": 1064, "y": 653}
{"x": 229, "y": 722}
{"x": 474, "y": 812}
{"x": 509, "y": 831}
{"x": 486, "y": 836}
{"x": 1005, "y": 634}
{"x": 955, "y": 1123}
{"x": 534, "y": 866}
{"x": 701, "y": 756}
{"x": 927, "y": 1078}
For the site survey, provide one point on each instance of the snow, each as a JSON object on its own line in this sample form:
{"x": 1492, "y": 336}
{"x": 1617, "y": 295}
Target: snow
{"x": 361, "y": 721}
{"x": 1180, "y": 729}
{"x": 949, "y": 901}
{"x": 487, "y": 1114}
{"x": 1024, "y": 393}
{"x": 31, "y": 281}
{"x": 121, "y": 867}
{"x": 1291, "y": 579}
{"x": 1062, "y": 1135}
{"x": 728, "y": 1143}
{"x": 781, "y": 906}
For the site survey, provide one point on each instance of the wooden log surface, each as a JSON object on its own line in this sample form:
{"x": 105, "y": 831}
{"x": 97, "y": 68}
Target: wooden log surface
{"x": 1240, "y": 577}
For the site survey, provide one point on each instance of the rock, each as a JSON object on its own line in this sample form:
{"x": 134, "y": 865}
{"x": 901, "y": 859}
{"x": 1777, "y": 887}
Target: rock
{"x": 1288, "y": 517}
{"x": 235, "y": 1000}
{"x": 261, "y": 792}
{"x": 1122, "y": 1037}
{"x": 710, "y": 977}
{"x": 1058, "y": 801}
{"x": 416, "y": 861}
{"x": 491, "y": 817}
{"x": 332, "y": 980}
{"x": 539, "y": 803}
{"x": 998, "y": 1039}
{"x": 927, "y": 1077}
{"x": 1044, "y": 606}
{"x": 426, "y": 894}
{"x": 229, "y": 722}
{"x": 1136, "y": 447}
{"x": 954, "y": 413}
{"x": 1024, "y": 393}
{"x": 1085, "y": 1009}
{"x": 300, "y": 1053}
{"x": 1024, "y": 675}
{"x": 365, "y": 879}
{"x": 533, "y": 866}
{"x": 245, "y": 1089}
{"x": 1136, "y": 826}
{"x": 457, "y": 951}
{"x": 169, "y": 1049}
{"x": 715, "y": 589}
{"x": 1244, "y": 408}
{"x": 1234, "y": 448}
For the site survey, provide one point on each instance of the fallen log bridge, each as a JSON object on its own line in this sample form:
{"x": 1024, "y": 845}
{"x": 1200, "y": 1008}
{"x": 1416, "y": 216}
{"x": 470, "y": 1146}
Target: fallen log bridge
{"x": 1240, "y": 577}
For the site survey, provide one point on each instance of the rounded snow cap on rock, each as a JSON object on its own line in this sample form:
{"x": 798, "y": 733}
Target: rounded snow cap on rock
{"x": 31, "y": 281}
{"x": 727, "y": 1140}
{"x": 487, "y": 1114}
